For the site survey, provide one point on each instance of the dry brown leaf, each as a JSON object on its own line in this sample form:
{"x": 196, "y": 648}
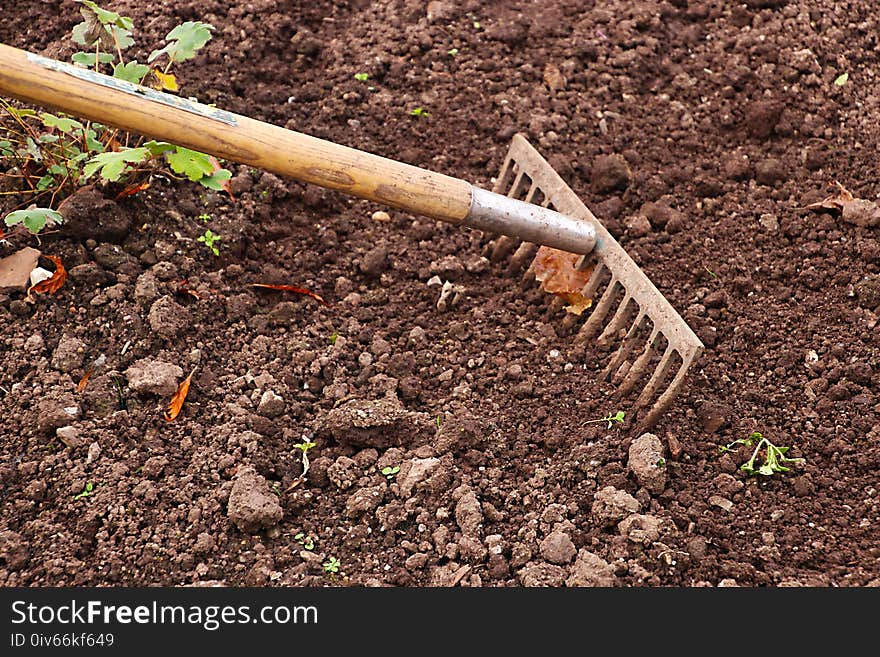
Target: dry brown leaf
{"x": 53, "y": 284}
{"x": 131, "y": 190}
{"x": 856, "y": 211}
{"x": 179, "y": 397}
{"x": 558, "y": 274}
{"x": 83, "y": 382}
{"x": 290, "y": 288}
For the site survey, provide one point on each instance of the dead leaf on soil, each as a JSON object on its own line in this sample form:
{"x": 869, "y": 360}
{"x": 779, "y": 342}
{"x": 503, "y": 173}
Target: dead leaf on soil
{"x": 165, "y": 82}
{"x": 184, "y": 288}
{"x": 856, "y": 211}
{"x": 84, "y": 381}
{"x": 53, "y": 284}
{"x": 290, "y": 288}
{"x": 558, "y": 274}
{"x": 179, "y": 397}
{"x": 131, "y": 190}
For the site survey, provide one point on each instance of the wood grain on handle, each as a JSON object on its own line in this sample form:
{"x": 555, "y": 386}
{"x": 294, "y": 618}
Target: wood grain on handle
{"x": 244, "y": 140}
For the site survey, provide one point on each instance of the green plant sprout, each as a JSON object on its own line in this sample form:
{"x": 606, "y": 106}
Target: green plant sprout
{"x": 390, "y": 472}
{"x": 331, "y": 565}
{"x": 774, "y": 456}
{"x": 54, "y": 155}
{"x": 361, "y": 77}
{"x": 210, "y": 240}
{"x": 419, "y": 112}
{"x": 333, "y": 337}
{"x": 306, "y": 541}
{"x": 611, "y": 419}
{"x": 452, "y": 52}
{"x": 439, "y": 420}
{"x": 841, "y": 80}
{"x": 88, "y": 490}
{"x": 205, "y": 217}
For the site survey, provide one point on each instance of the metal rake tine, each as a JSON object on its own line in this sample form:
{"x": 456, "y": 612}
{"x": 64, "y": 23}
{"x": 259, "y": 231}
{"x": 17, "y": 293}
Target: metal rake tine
{"x": 524, "y": 253}
{"x": 656, "y": 378}
{"x": 626, "y": 347}
{"x": 599, "y": 311}
{"x": 616, "y": 323}
{"x": 638, "y": 367}
{"x": 665, "y": 400}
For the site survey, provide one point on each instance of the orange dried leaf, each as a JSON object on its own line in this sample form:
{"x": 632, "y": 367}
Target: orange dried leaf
{"x": 558, "y": 274}
{"x": 53, "y": 284}
{"x": 179, "y": 397}
{"x": 290, "y": 288}
{"x": 83, "y": 382}
{"x": 131, "y": 190}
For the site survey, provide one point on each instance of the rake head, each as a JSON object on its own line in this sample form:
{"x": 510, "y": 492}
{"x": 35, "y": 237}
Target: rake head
{"x": 656, "y": 346}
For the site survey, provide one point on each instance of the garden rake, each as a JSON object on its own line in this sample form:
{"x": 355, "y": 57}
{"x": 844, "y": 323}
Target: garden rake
{"x": 530, "y": 206}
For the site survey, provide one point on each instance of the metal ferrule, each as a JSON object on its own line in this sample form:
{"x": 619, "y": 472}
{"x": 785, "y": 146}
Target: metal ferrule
{"x": 494, "y": 213}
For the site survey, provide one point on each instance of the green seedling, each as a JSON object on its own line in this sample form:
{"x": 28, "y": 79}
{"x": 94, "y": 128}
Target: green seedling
{"x": 390, "y": 472}
{"x": 306, "y": 541}
{"x": 276, "y": 488}
{"x": 452, "y": 52}
{"x": 210, "y": 240}
{"x": 331, "y": 565}
{"x": 304, "y": 446}
{"x": 611, "y": 419}
{"x": 361, "y": 77}
{"x": 774, "y": 456}
{"x": 419, "y": 112}
{"x": 51, "y": 156}
{"x": 439, "y": 420}
{"x": 205, "y": 217}
{"x": 710, "y": 272}
{"x": 841, "y": 80}
{"x": 90, "y": 487}
{"x": 661, "y": 463}
{"x": 333, "y": 337}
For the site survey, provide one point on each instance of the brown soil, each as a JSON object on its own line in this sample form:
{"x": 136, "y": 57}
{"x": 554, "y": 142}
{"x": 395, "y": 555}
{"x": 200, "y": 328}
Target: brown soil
{"x": 730, "y": 122}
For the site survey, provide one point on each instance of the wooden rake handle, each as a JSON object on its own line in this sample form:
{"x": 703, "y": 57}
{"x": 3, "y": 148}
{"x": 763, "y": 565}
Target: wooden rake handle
{"x": 89, "y": 95}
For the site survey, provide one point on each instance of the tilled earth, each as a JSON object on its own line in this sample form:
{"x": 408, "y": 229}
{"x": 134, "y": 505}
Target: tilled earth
{"x": 722, "y": 120}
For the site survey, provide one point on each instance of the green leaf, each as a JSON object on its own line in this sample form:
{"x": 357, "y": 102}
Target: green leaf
{"x": 92, "y": 142}
{"x": 123, "y": 36}
{"x": 57, "y": 170}
{"x": 841, "y": 80}
{"x": 6, "y": 148}
{"x": 87, "y": 59}
{"x": 361, "y": 77}
{"x": 192, "y": 164}
{"x": 216, "y": 179}
{"x": 113, "y": 164}
{"x": 765, "y": 470}
{"x": 131, "y": 72}
{"x": 185, "y": 40}
{"x": 45, "y": 183}
{"x": 105, "y": 16}
{"x": 64, "y": 124}
{"x": 34, "y": 219}
{"x": 157, "y": 148}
